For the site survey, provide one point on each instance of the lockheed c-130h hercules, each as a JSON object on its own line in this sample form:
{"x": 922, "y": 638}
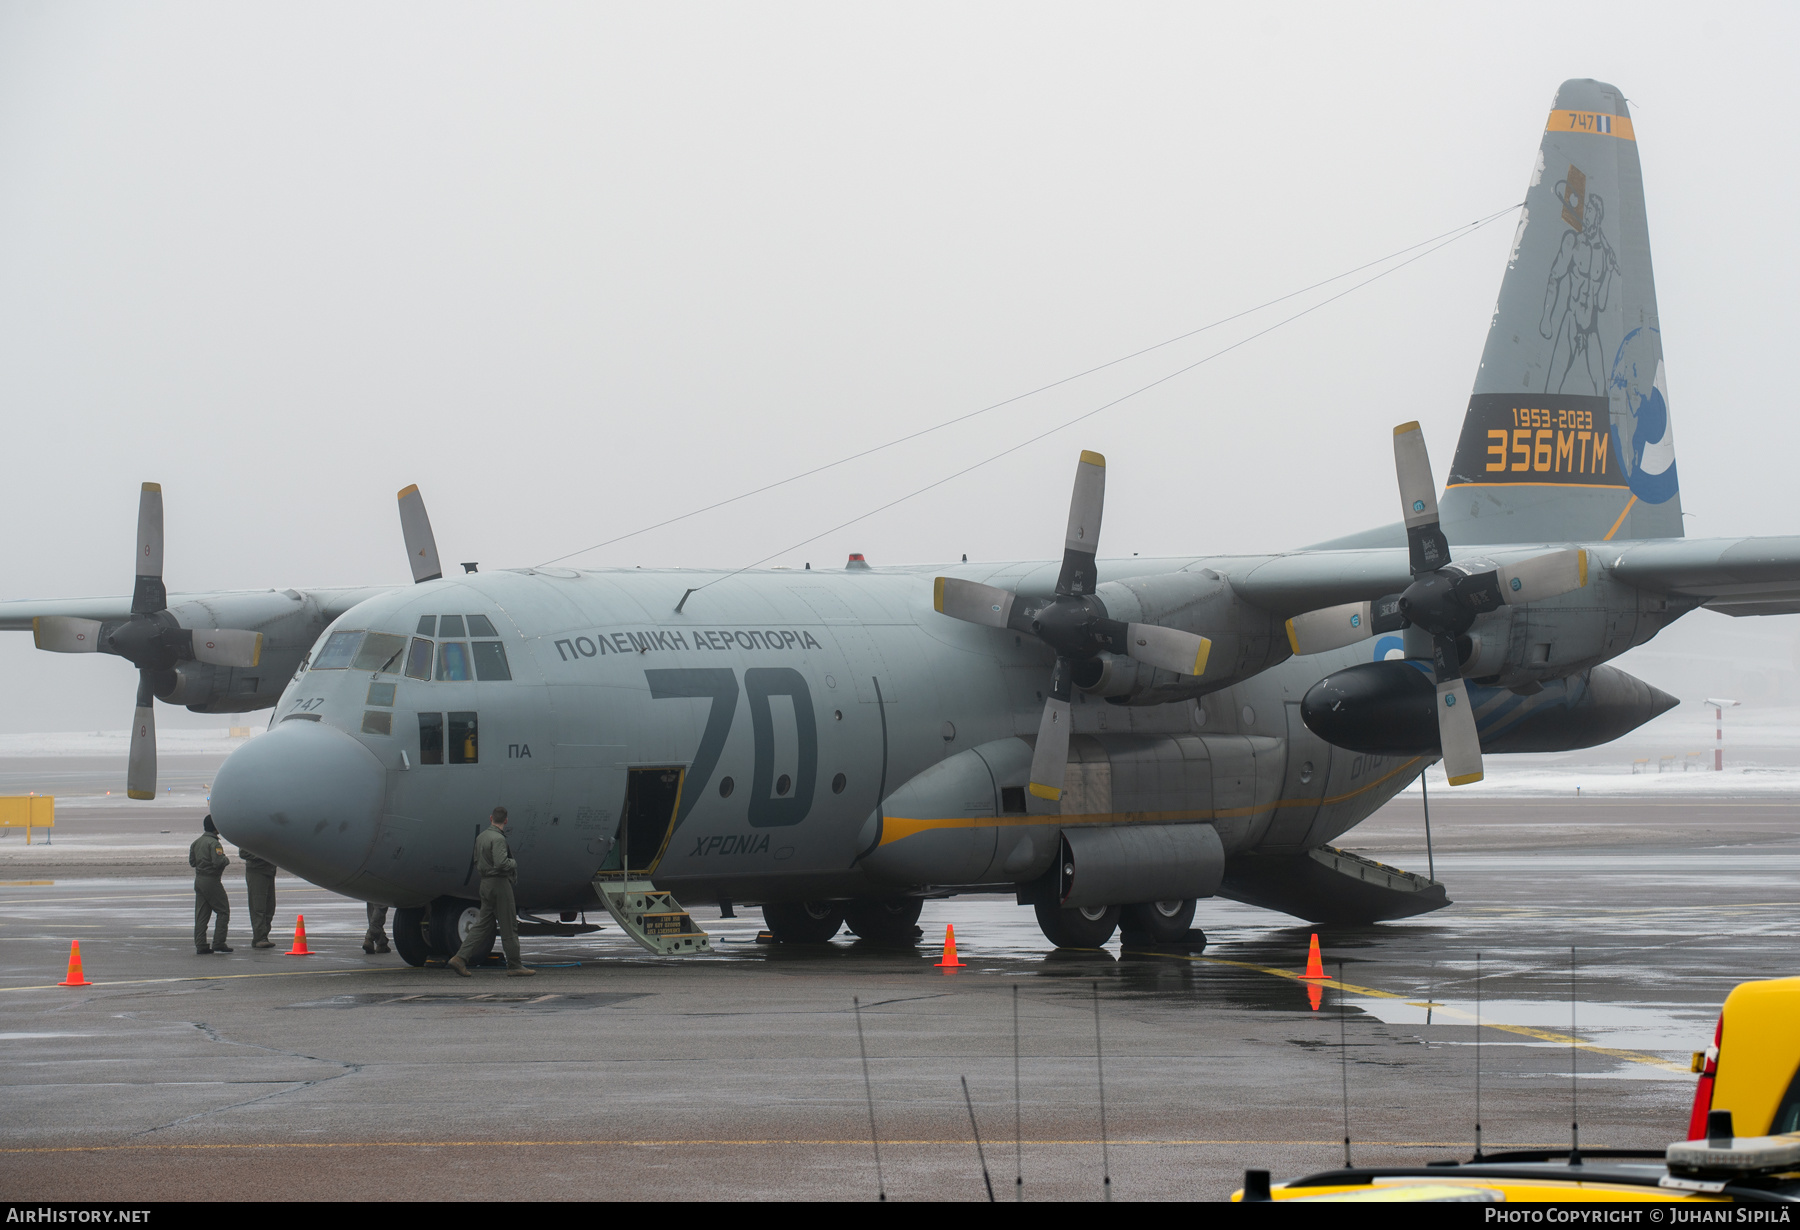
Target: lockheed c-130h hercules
{"x": 1111, "y": 740}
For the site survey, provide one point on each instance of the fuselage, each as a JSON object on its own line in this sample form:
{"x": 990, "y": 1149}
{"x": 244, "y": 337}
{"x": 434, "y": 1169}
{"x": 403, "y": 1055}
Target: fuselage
{"x": 784, "y": 707}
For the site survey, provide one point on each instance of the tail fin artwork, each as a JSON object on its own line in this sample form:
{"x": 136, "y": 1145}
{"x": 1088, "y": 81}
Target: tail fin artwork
{"x": 1568, "y": 435}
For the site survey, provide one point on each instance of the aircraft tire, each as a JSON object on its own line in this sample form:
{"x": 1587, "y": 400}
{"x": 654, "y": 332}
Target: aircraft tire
{"x": 804, "y": 922}
{"x": 1087, "y": 928}
{"x": 891, "y": 920}
{"x": 1157, "y": 922}
{"x": 409, "y": 935}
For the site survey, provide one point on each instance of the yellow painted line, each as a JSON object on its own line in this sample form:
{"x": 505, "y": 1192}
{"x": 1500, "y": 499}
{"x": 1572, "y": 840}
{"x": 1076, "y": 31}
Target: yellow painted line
{"x": 861, "y": 1142}
{"x": 897, "y": 828}
{"x": 1591, "y": 123}
{"x": 24, "y": 883}
{"x": 1620, "y": 521}
{"x": 1541, "y": 1035}
{"x": 286, "y": 973}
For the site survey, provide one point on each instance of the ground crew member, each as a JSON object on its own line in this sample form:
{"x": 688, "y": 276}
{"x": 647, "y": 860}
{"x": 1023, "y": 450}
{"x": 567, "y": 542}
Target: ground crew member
{"x": 375, "y": 938}
{"x": 493, "y": 857}
{"x": 259, "y": 882}
{"x": 207, "y": 857}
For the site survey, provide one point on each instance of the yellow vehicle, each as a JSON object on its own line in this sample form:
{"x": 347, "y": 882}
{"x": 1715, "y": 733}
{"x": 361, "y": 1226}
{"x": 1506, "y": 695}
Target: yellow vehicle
{"x": 1749, "y": 1082}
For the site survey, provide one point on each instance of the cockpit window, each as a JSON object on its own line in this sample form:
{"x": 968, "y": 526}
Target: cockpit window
{"x": 427, "y": 625}
{"x": 490, "y": 658}
{"x": 453, "y": 661}
{"x": 380, "y": 653}
{"x": 340, "y": 648}
{"x": 481, "y": 625}
{"x": 418, "y": 658}
{"x": 450, "y": 625}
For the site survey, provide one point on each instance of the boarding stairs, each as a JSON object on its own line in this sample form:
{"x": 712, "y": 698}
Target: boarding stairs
{"x": 651, "y": 916}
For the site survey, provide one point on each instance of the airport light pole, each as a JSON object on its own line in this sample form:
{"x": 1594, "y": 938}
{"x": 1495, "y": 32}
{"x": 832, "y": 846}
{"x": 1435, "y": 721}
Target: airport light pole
{"x": 1719, "y": 708}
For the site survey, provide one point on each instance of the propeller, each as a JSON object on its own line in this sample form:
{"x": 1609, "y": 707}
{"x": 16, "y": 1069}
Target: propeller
{"x": 1074, "y": 622}
{"x": 150, "y": 640}
{"x": 421, "y": 543}
{"x": 1443, "y": 601}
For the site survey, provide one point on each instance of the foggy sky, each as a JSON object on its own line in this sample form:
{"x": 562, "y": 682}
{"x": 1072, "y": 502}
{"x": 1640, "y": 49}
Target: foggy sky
{"x": 576, "y": 268}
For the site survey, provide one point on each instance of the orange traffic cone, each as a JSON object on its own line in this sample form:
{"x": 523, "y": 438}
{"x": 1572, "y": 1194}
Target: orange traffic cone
{"x": 76, "y": 978}
{"x": 299, "y": 949}
{"x": 1315, "y": 967}
{"x": 949, "y": 960}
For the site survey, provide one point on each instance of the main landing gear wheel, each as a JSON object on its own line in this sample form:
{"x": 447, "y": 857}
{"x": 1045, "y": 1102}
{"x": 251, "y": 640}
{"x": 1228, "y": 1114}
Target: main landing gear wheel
{"x": 803, "y": 922}
{"x": 409, "y": 935}
{"x": 891, "y": 921}
{"x": 1157, "y": 922}
{"x": 1088, "y": 927}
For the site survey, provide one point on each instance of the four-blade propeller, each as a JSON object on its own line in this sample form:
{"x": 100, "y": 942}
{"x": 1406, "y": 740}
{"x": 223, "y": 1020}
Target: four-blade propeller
{"x": 1443, "y": 600}
{"x": 150, "y": 640}
{"x": 1074, "y": 623}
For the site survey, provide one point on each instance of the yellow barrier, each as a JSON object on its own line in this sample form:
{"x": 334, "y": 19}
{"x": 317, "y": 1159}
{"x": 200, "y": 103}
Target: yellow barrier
{"x": 28, "y": 812}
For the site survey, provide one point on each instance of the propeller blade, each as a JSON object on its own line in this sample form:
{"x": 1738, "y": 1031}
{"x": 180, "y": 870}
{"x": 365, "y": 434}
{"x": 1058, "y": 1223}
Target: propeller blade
{"x": 66, "y": 634}
{"x": 1051, "y": 756}
{"x": 140, "y": 773}
{"x": 1456, "y": 733}
{"x": 149, "y": 596}
{"x": 1333, "y": 627}
{"x": 1086, "y": 503}
{"x": 1543, "y": 576}
{"x": 1167, "y": 648}
{"x": 1426, "y": 545}
{"x": 421, "y": 545}
{"x": 972, "y": 602}
{"x": 228, "y": 647}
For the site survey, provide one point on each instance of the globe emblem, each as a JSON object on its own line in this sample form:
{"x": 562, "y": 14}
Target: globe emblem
{"x": 1356, "y": 621}
{"x": 1418, "y": 505}
{"x": 1516, "y": 585}
{"x": 1450, "y": 700}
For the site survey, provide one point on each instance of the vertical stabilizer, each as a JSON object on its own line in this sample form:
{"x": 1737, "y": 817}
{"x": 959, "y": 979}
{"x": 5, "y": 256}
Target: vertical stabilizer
{"x": 1568, "y": 435}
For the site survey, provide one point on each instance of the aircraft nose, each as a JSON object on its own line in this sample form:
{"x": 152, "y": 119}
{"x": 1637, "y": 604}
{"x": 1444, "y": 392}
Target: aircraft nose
{"x": 305, "y": 795}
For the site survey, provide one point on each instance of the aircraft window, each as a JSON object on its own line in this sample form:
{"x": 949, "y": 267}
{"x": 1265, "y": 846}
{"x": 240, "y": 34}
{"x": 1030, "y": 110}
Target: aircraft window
{"x": 838, "y": 783}
{"x": 380, "y": 694}
{"x": 418, "y": 659}
{"x": 380, "y": 653}
{"x": 490, "y": 660}
{"x": 726, "y": 786}
{"x": 451, "y": 625}
{"x": 453, "y": 661}
{"x": 427, "y": 626}
{"x": 463, "y": 748}
{"x": 481, "y": 625}
{"x": 782, "y": 784}
{"x": 340, "y": 647}
{"x": 431, "y": 738}
{"x": 377, "y": 722}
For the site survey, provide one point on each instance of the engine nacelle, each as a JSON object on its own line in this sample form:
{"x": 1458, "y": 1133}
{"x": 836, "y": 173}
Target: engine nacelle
{"x": 1389, "y": 708}
{"x": 1245, "y": 639}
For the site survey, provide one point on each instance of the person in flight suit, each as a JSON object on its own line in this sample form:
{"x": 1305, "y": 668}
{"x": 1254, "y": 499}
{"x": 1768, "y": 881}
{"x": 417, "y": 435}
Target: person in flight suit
{"x": 375, "y": 938}
{"x": 207, "y": 857}
{"x": 493, "y": 857}
{"x": 259, "y": 883}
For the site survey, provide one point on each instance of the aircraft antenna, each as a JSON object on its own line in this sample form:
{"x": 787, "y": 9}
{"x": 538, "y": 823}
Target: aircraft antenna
{"x": 1100, "y": 1066}
{"x": 869, "y": 1093}
{"x": 1477, "y": 1156}
{"x": 1574, "y": 1082}
{"x": 1448, "y": 237}
{"x": 1344, "y": 1058}
{"x": 1018, "y": 1139}
{"x": 976, "y": 1128}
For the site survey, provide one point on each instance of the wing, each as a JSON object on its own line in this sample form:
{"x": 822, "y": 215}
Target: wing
{"x": 249, "y": 607}
{"x": 1735, "y": 576}
{"x": 1289, "y": 585}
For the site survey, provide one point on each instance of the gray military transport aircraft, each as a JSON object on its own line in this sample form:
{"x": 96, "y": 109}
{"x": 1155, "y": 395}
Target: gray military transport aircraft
{"x": 1108, "y": 739}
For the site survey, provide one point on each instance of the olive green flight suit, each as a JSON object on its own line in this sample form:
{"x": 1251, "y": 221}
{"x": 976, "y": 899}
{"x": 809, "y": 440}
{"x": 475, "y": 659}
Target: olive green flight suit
{"x": 207, "y": 857}
{"x": 259, "y": 881}
{"x": 375, "y": 938}
{"x": 493, "y": 858}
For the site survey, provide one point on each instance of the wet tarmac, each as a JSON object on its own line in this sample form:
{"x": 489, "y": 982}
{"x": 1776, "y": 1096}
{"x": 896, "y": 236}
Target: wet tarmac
{"x": 614, "y": 1075}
